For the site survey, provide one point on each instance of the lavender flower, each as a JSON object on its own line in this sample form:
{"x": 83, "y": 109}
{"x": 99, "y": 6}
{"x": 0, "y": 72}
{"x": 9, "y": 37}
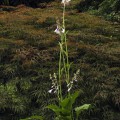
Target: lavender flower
{"x": 59, "y": 30}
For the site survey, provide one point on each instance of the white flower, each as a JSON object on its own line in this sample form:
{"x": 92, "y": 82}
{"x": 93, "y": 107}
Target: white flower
{"x": 50, "y": 91}
{"x": 65, "y": 2}
{"x": 69, "y": 88}
{"x": 75, "y": 80}
{"x": 50, "y": 77}
{"x": 55, "y": 75}
{"x": 55, "y": 91}
{"x": 59, "y": 30}
{"x": 71, "y": 82}
{"x": 68, "y": 84}
{"x": 63, "y": 30}
{"x": 75, "y": 77}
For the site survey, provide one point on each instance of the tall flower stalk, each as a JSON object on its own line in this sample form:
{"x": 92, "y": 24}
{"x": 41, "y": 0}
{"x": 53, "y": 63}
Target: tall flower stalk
{"x": 64, "y": 66}
{"x": 64, "y": 110}
{"x": 63, "y": 58}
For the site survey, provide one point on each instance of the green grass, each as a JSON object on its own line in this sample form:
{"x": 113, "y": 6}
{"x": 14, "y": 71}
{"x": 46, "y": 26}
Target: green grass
{"x": 29, "y": 50}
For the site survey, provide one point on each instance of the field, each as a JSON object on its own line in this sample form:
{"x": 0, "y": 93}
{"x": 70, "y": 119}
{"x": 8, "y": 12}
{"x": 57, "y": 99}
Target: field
{"x": 29, "y": 52}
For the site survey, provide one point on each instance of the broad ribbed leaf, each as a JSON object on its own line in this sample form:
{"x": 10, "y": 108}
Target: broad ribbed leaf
{"x": 59, "y": 111}
{"x": 74, "y": 96}
{"x": 65, "y": 103}
{"x": 54, "y": 108}
{"x": 78, "y": 110}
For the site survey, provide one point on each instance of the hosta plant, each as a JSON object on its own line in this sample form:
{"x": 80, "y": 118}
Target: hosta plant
{"x": 64, "y": 109}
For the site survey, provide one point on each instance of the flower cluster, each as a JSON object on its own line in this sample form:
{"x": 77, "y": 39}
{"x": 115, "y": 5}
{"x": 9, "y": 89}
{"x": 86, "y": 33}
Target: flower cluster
{"x": 75, "y": 78}
{"x": 54, "y": 87}
{"x": 65, "y": 2}
{"x": 59, "y": 30}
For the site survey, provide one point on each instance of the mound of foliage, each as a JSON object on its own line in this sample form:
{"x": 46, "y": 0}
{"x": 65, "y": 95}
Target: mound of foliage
{"x": 108, "y": 8}
{"x": 32, "y": 3}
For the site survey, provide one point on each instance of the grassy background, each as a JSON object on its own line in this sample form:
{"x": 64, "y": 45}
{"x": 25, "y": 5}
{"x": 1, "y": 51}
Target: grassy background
{"x": 29, "y": 53}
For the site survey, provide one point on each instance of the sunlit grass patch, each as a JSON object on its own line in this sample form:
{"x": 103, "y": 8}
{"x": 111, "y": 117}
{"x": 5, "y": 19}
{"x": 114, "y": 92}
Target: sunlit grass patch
{"x": 91, "y": 21}
{"x": 40, "y": 23}
{"x": 31, "y": 21}
{"x": 2, "y": 23}
{"x": 113, "y": 48}
{"x": 9, "y": 42}
{"x": 73, "y": 26}
{"x": 89, "y": 38}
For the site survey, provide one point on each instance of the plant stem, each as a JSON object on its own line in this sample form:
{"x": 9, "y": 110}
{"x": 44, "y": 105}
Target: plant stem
{"x": 64, "y": 17}
{"x": 59, "y": 86}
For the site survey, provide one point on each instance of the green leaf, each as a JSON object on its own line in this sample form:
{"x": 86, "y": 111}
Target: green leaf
{"x": 68, "y": 118}
{"x": 78, "y": 110}
{"x": 65, "y": 102}
{"x": 33, "y": 118}
{"x": 63, "y": 118}
{"x": 59, "y": 111}
{"x": 65, "y": 112}
{"x": 69, "y": 101}
{"x": 54, "y": 108}
{"x": 74, "y": 96}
